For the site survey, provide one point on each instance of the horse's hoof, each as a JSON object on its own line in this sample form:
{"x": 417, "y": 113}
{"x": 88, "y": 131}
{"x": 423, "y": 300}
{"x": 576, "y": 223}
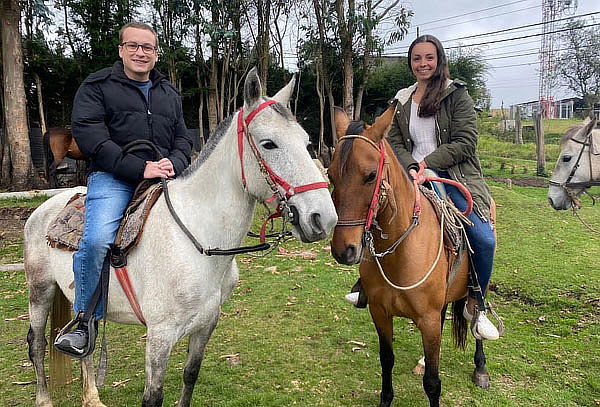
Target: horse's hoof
{"x": 481, "y": 379}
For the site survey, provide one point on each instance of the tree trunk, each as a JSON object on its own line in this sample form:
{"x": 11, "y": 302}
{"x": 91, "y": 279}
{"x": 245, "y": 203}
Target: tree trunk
{"x": 346, "y": 34}
{"x": 213, "y": 86}
{"x": 263, "y": 45}
{"x": 40, "y": 99}
{"x": 17, "y": 134}
{"x": 538, "y": 121}
{"x": 319, "y": 86}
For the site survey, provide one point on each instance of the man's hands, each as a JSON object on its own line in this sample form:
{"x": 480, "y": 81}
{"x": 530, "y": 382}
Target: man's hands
{"x": 159, "y": 169}
{"x": 418, "y": 176}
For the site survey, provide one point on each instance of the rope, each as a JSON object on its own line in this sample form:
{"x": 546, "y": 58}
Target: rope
{"x": 425, "y": 277}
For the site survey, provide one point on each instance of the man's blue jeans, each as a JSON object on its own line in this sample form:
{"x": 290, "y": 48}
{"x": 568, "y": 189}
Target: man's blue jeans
{"x": 481, "y": 237}
{"x": 106, "y": 200}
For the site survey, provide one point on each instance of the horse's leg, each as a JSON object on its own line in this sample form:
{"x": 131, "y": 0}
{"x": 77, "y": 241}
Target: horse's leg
{"x": 40, "y": 301}
{"x": 419, "y": 369}
{"x": 385, "y": 329}
{"x": 158, "y": 348}
{"x": 196, "y": 348}
{"x": 90, "y": 391}
{"x": 430, "y": 327}
{"x": 481, "y": 377}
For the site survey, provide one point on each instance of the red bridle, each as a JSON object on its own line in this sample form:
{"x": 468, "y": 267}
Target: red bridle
{"x": 274, "y": 180}
{"x": 372, "y": 211}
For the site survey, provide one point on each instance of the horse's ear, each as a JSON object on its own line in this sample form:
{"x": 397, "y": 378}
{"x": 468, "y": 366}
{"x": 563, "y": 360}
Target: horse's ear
{"x": 252, "y": 90}
{"x": 587, "y": 129}
{"x": 341, "y": 121}
{"x": 284, "y": 95}
{"x": 378, "y": 130}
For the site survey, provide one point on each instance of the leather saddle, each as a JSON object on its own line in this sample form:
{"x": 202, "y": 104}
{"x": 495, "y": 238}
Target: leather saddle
{"x": 66, "y": 229}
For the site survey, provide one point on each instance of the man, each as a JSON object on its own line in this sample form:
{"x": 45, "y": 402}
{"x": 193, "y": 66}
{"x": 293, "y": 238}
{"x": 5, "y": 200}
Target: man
{"x": 113, "y": 107}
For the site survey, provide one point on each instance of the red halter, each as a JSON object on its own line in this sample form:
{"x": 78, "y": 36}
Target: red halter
{"x": 272, "y": 179}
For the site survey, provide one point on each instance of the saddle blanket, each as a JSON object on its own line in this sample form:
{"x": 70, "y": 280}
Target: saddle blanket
{"x": 66, "y": 230}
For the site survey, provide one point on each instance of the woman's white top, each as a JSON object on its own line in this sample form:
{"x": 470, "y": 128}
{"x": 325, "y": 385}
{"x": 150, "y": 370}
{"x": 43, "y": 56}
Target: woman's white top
{"x": 422, "y": 133}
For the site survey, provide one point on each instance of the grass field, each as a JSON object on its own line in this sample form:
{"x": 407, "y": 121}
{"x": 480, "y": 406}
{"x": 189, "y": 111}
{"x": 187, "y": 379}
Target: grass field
{"x": 297, "y": 343}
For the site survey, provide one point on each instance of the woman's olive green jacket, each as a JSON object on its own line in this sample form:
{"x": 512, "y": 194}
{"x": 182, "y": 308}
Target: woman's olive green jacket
{"x": 456, "y": 133}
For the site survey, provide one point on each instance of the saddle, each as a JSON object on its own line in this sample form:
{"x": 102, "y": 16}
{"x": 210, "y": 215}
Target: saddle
{"x": 455, "y": 237}
{"x": 66, "y": 229}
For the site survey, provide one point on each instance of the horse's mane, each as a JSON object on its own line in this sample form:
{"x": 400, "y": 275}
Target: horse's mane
{"x": 209, "y": 147}
{"x": 220, "y": 131}
{"x": 573, "y": 130}
{"x": 355, "y": 127}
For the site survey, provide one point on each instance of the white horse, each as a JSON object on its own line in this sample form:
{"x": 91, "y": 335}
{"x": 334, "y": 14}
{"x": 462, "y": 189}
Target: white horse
{"x": 180, "y": 290}
{"x": 577, "y": 167}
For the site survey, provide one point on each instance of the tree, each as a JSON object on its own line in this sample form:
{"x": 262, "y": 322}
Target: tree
{"x": 15, "y": 102}
{"x": 580, "y": 62}
{"x": 469, "y": 66}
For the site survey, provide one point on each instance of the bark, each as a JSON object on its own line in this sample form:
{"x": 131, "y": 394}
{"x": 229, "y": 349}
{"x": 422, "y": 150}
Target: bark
{"x": 262, "y": 46}
{"x": 17, "y": 133}
{"x": 323, "y": 70}
{"x": 40, "y": 100}
{"x": 319, "y": 88}
{"x": 346, "y": 29}
{"x": 212, "y": 89}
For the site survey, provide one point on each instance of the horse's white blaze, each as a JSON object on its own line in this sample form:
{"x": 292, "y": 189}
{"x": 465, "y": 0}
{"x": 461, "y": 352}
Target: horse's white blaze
{"x": 180, "y": 290}
{"x": 570, "y": 150}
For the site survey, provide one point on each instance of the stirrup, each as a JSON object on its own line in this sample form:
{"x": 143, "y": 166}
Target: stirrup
{"x": 475, "y": 318}
{"x": 92, "y": 333}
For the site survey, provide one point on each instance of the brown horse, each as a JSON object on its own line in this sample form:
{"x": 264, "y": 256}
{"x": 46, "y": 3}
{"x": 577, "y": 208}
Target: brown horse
{"x": 412, "y": 281}
{"x": 59, "y": 143}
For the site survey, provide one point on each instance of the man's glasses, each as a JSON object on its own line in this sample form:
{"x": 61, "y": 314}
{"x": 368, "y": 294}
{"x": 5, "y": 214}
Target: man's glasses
{"x": 133, "y": 47}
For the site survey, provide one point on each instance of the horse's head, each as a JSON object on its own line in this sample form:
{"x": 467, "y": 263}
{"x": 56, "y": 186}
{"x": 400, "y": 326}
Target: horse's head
{"x": 277, "y": 162}
{"x": 578, "y": 165}
{"x": 354, "y": 174}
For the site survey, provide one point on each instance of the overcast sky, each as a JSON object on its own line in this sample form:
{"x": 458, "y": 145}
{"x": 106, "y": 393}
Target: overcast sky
{"x": 511, "y": 79}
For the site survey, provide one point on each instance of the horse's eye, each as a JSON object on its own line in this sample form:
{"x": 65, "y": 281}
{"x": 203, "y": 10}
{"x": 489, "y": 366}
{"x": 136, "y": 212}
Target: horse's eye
{"x": 371, "y": 177}
{"x": 268, "y": 144}
{"x": 566, "y": 158}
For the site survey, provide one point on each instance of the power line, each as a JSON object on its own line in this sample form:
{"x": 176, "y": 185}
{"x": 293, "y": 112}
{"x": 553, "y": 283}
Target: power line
{"x": 523, "y": 26}
{"x": 509, "y": 39}
{"x": 471, "y": 12}
{"x": 513, "y": 29}
{"x": 476, "y": 19}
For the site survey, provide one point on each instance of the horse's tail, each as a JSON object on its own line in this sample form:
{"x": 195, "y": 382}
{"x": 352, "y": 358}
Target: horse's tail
{"x": 459, "y": 323}
{"x": 60, "y": 364}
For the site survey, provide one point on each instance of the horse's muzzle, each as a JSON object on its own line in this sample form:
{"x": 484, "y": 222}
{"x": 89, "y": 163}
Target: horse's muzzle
{"x": 349, "y": 256}
{"x": 310, "y": 231}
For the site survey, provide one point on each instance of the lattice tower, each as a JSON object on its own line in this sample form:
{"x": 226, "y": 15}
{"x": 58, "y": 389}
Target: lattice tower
{"x": 551, "y": 11}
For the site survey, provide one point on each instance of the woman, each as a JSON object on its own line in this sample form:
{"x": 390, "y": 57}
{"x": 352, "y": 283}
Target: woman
{"x": 434, "y": 127}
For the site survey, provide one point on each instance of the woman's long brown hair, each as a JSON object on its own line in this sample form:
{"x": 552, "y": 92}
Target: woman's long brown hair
{"x": 437, "y": 84}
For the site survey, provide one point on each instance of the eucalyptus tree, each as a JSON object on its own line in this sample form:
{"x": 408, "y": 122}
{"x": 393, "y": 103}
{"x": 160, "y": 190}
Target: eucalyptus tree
{"x": 16, "y": 157}
{"x": 580, "y": 62}
{"x": 357, "y": 25}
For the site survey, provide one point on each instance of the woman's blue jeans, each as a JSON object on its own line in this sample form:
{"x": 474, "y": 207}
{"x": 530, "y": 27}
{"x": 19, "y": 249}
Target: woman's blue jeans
{"x": 481, "y": 237}
{"x": 106, "y": 200}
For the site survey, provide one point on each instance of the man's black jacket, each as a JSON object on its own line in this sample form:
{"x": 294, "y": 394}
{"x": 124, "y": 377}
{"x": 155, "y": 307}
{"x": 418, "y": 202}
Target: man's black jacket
{"x": 110, "y": 111}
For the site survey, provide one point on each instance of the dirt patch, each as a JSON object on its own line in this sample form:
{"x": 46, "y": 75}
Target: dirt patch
{"x": 522, "y": 182}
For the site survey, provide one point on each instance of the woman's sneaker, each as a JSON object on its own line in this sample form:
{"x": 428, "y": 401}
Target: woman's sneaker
{"x": 483, "y": 327}
{"x": 357, "y": 296}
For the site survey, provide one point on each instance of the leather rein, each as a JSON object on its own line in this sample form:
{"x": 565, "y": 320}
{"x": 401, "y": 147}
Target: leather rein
{"x": 274, "y": 181}
{"x": 376, "y": 199}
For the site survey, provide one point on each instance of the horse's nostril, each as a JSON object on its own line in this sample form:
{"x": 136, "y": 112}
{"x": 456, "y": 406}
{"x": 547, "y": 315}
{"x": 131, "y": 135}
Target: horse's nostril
{"x": 316, "y": 223}
{"x": 350, "y": 254}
